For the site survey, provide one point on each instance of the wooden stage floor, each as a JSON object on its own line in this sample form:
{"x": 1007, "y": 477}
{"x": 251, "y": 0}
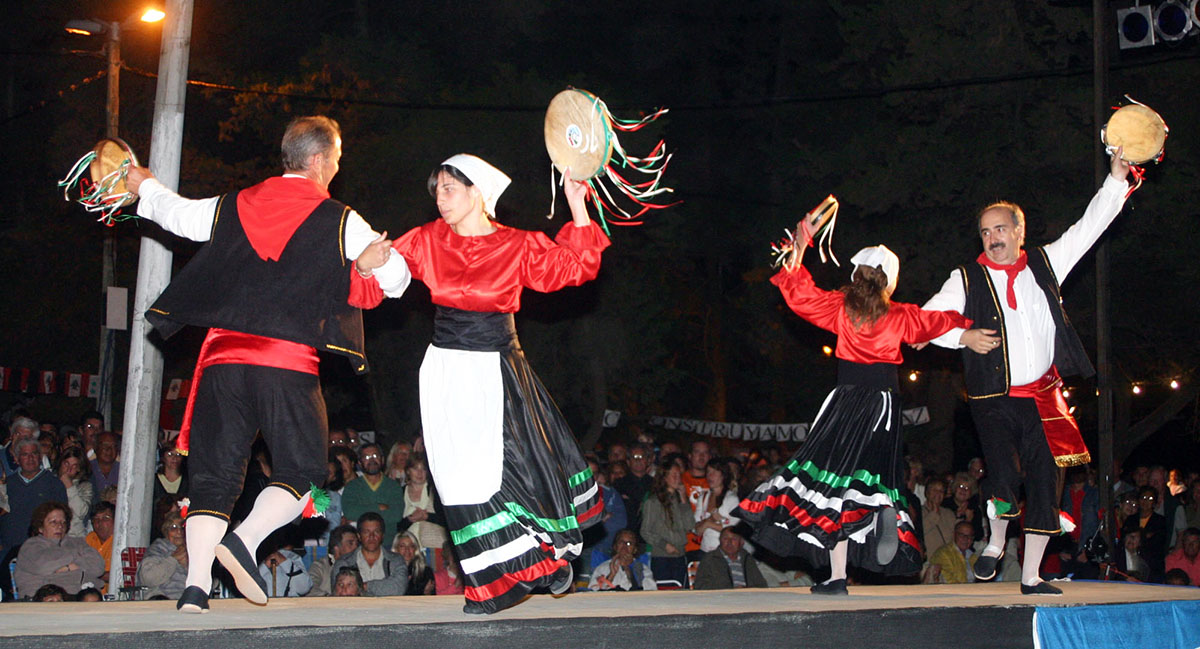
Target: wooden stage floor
{"x": 724, "y": 618}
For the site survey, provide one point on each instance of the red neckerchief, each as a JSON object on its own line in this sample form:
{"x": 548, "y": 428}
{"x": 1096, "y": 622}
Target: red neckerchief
{"x": 272, "y": 210}
{"x": 1011, "y": 269}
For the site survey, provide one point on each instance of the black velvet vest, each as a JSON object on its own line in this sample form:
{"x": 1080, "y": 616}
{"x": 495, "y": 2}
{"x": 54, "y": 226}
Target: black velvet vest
{"x": 300, "y": 298}
{"x": 987, "y": 375}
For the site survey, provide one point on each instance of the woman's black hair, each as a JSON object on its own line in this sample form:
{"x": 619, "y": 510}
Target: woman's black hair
{"x": 453, "y": 172}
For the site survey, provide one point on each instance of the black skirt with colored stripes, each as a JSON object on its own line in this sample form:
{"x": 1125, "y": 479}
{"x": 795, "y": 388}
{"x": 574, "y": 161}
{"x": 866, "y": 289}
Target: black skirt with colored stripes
{"x": 847, "y": 471}
{"x": 532, "y": 527}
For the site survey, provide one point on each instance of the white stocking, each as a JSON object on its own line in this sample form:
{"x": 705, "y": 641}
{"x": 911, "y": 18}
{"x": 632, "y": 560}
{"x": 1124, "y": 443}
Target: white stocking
{"x": 1035, "y": 547}
{"x": 274, "y": 508}
{"x": 202, "y": 534}
{"x": 998, "y": 527}
{"x": 837, "y": 560}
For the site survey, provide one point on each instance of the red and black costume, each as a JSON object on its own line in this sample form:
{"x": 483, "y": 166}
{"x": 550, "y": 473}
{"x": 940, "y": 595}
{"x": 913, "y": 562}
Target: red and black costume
{"x": 850, "y": 466}
{"x": 272, "y": 284}
{"x": 516, "y": 490}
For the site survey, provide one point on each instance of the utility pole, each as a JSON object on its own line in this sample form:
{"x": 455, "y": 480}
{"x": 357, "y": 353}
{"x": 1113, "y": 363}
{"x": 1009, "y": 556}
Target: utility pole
{"x": 112, "y": 111}
{"x": 1104, "y": 407}
{"x": 144, "y": 388}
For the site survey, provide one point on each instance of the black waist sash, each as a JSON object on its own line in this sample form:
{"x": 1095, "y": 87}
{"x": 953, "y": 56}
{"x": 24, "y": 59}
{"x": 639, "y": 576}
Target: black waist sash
{"x": 876, "y": 376}
{"x": 474, "y": 331}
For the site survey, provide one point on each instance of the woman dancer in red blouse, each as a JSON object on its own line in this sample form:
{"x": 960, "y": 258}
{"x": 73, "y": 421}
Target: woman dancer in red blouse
{"x": 515, "y": 488}
{"x": 842, "y": 486}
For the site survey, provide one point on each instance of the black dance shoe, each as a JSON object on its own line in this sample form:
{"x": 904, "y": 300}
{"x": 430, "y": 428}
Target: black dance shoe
{"x": 562, "y": 580}
{"x": 835, "y": 587}
{"x": 1042, "y": 588}
{"x": 985, "y": 567}
{"x": 193, "y": 600}
{"x": 232, "y": 554}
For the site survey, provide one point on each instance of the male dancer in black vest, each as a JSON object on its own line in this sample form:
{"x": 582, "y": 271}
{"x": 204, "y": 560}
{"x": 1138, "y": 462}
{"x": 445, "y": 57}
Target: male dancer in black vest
{"x": 272, "y": 285}
{"x": 1011, "y": 362}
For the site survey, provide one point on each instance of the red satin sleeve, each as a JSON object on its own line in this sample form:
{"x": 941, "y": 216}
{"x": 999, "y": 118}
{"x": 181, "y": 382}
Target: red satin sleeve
{"x": 570, "y": 260}
{"x": 919, "y": 325}
{"x": 821, "y": 308}
{"x": 364, "y": 291}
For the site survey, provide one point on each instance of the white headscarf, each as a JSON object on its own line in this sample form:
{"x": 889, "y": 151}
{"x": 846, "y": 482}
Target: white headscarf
{"x": 878, "y": 257}
{"x": 491, "y": 181}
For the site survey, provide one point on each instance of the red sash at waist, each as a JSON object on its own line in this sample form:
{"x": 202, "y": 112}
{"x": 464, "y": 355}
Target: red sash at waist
{"x": 225, "y": 347}
{"x": 1062, "y": 432}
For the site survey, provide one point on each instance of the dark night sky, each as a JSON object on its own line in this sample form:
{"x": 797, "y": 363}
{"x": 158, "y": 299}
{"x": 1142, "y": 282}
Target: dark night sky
{"x": 914, "y": 118}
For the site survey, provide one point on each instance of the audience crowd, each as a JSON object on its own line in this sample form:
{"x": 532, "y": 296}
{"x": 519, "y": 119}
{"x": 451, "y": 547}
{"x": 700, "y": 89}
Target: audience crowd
{"x": 668, "y": 522}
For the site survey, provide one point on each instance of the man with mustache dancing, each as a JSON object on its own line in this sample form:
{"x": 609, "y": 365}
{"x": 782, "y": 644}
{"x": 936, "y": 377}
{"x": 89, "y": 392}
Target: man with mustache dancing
{"x": 1012, "y": 363}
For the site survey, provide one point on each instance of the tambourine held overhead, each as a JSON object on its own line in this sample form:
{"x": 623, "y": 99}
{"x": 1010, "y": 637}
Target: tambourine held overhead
{"x": 1139, "y": 130}
{"x": 107, "y": 165}
{"x": 577, "y": 135}
{"x": 580, "y": 135}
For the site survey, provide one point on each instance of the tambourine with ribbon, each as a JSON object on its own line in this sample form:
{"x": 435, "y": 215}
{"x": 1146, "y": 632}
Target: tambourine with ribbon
{"x": 820, "y": 223}
{"x": 581, "y": 136}
{"x": 103, "y": 190}
{"x": 1140, "y": 132}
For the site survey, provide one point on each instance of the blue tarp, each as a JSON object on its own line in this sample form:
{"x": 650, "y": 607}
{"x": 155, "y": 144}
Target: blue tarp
{"x": 1152, "y": 625}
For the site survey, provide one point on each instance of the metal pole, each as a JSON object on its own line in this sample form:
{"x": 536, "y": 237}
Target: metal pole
{"x": 1104, "y": 408}
{"x": 142, "y": 399}
{"x": 112, "y": 111}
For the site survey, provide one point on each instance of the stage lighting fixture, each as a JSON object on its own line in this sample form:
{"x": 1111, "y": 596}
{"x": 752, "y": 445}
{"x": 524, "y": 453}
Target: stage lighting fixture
{"x": 1172, "y": 20}
{"x": 1135, "y": 27}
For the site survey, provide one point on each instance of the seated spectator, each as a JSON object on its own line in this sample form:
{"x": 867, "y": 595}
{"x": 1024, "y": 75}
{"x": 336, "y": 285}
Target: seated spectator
{"x": 1176, "y": 577}
{"x": 397, "y": 462}
{"x": 1154, "y": 529}
{"x": 171, "y": 479}
{"x": 48, "y": 441}
{"x": 623, "y": 571}
{"x": 1187, "y": 556}
{"x": 1188, "y": 513}
{"x": 52, "y": 557}
{"x": 72, "y": 471}
{"x": 89, "y": 595}
{"x": 422, "y": 510}
{"x": 384, "y": 573}
{"x": 164, "y": 568}
{"x": 50, "y": 593}
{"x": 22, "y": 428}
{"x": 633, "y": 482}
{"x": 963, "y": 501}
{"x": 346, "y": 459}
{"x": 715, "y": 506}
{"x": 937, "y": 520}
{"x": 954, "y": 563}
{"x": 348, "y": 583}
{"x": 1128, "y": 560}
{"x": 420, "y": 577}
{"x": 105, "y": 468}
{"x": 729, "y": 566}
{"x": 596, "y": 548}
{"x": 282, "y": 569}
{"x": 100, "y": 538}
{"x": 373, "y": 492}
{"x": 342, "y": 541}
{"x": 28, "y": 488}
{"x": 666, "y": 521}
{"x": 448, "y": 578}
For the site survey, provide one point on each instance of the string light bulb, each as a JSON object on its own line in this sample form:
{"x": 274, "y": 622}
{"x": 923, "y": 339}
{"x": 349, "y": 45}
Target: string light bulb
{"x": 1137, "y": 389}
{"x": 827, "y": 350}
{"x": 1174, "y": 384}
{"x": 1066, "y": 393}
{"x": 912, "y": 376}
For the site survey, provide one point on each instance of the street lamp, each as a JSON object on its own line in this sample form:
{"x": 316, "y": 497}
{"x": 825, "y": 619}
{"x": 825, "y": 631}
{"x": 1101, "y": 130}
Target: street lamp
{"x": 112, "y": 111}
